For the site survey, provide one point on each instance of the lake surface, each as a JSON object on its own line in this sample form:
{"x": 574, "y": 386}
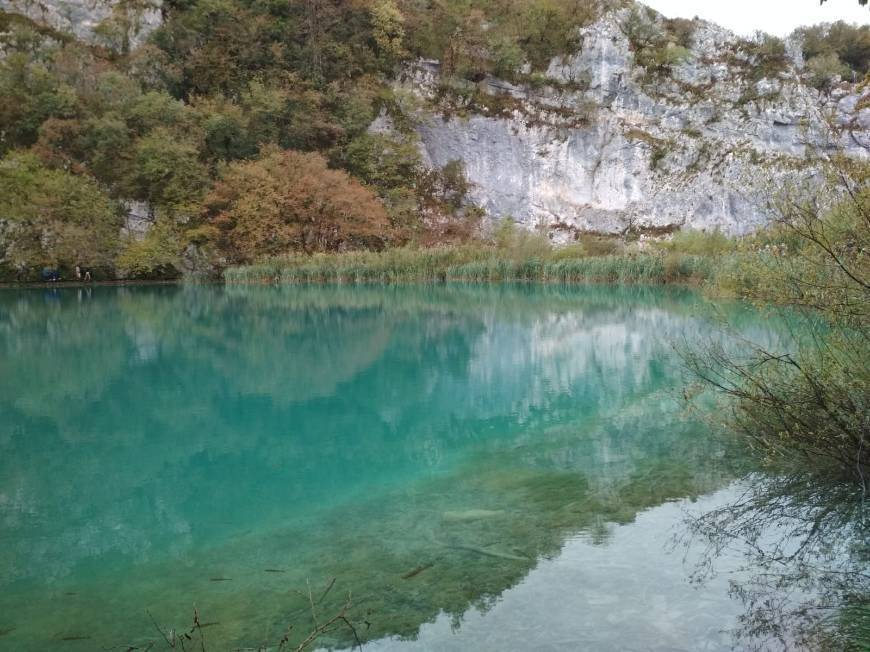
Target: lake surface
{"x": 487, "y": 468}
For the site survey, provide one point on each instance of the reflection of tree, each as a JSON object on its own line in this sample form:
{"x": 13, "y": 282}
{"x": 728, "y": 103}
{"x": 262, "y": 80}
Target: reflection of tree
{"x": 803, "y": 409}
{"x": 40, "y": 330}
{"x": 806, "y": 547}
{"x": 198, "y": 415}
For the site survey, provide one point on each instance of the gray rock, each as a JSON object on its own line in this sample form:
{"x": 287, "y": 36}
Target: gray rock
{"x": 81, "y": 17}
{"x": 138, "y": 218}
{"x": 705, "y": 148}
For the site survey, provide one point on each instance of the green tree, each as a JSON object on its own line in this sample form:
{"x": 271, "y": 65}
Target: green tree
{"x": 29, "y": 95}
{"x": 157, "y": 109}
{"x": 388, "y": 29}
{"x": 824, "y": 69}
{"x": 157, "y": 255}
{"x": 849, "y": 43}
{"x": 54, "y": 218}
{"x": 391, "y": 166}
{"x": 104, "y": 143}
{"x": 166, "y": 172}
{"x": 225, "y": 130}
{"x": 383, "y": 162}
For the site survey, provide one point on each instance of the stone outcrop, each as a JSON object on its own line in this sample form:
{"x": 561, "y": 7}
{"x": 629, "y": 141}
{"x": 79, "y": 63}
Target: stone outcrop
{"x": 603, "y": 145}
{"x": 81, "y": 18}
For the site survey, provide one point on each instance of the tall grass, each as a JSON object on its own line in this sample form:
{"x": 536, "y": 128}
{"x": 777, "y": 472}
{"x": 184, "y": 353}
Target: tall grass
{"x": 474, "y": 264}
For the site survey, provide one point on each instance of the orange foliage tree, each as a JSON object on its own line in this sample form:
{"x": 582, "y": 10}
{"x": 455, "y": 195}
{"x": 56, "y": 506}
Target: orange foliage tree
{"x": 288, "y": 201}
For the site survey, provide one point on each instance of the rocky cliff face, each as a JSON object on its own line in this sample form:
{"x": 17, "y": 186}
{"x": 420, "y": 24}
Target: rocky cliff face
{"x": 81, "y": 18}
{"x": 602, "y": 145}
{"x": 599, "y": 142}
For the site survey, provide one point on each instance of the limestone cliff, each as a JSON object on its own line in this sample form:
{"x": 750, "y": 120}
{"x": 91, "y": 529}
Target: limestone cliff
{"x": 600, "y": 144}
{"x": 600, "y": 141}
{"x": 135, "y": 19}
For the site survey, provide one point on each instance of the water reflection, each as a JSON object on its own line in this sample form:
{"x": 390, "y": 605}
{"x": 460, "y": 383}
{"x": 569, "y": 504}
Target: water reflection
{"x": 803, "y": 545}
{"x": 155, "y": 439}
{"x": 579, "y": 599}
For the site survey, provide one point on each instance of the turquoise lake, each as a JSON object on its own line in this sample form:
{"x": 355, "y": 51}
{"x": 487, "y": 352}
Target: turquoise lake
{"x": 479, "y": 467}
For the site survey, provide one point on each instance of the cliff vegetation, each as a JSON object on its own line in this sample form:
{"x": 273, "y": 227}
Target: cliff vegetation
{"x": 134, "y": 154}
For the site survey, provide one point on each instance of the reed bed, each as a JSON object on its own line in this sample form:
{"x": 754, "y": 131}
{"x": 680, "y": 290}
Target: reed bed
{"x": 475, "y": 264}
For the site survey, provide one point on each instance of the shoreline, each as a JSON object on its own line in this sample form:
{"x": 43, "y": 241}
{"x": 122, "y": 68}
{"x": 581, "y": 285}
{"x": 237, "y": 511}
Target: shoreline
{"x": 48, "y": 285}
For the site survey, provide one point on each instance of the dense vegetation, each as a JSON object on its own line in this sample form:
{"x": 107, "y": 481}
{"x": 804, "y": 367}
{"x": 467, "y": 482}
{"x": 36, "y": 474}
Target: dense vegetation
{"x": 160, "y": 129}
{"x": 179, "y": 131}
{"x": 837, "y": 49}
{"x": 804, "y": 410}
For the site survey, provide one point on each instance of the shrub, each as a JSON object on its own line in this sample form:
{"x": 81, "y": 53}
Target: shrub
{"x": 769, "y": 54}
{"x": 699, "y": 243}
{"x": 824, "y": 69}
{"x": 641, "y": 29}
{"x": 681, "y": 31}
{"x": 850, "y": 43}
{"x": 288, "y": 201}
{"x": 53, "y": 217}
{"x": 808, "y": 406}
{"x": 658, "y": 46}
{"x": 157, "y": 255}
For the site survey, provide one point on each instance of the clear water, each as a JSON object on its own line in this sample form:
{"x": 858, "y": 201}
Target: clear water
{"x": 486, "y": 468}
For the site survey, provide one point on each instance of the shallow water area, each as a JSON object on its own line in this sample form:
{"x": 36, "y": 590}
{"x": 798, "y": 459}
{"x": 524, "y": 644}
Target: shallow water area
{"x": 477, "y": 467}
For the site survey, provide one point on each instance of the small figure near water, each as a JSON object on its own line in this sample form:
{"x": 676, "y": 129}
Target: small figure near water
{"x": 50, "y": 275}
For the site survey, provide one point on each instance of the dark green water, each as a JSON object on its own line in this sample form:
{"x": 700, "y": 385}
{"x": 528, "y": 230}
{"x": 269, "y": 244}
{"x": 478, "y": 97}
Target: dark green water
{"x": 482, "y": 467}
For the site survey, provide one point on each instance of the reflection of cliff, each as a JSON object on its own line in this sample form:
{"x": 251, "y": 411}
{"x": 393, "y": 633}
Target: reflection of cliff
{"x": 475, "y": 532}
{"x": 157, "y": 390}
{"x": 336, "y": 426}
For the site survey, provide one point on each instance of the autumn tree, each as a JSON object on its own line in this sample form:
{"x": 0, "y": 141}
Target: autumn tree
{"x": 288, "y": 201}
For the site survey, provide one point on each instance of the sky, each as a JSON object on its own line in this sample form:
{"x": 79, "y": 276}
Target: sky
{"x": 778, "y": 17}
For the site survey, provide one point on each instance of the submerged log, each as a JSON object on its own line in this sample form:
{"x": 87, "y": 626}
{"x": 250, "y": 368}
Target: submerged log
{"x": 417, "y": 571}
{"x": 489, "y": 553}
{"x": 470, "y": 515}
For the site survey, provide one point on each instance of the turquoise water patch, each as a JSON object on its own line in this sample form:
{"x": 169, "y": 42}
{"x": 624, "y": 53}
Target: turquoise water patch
{"x": 427, "y": 450}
